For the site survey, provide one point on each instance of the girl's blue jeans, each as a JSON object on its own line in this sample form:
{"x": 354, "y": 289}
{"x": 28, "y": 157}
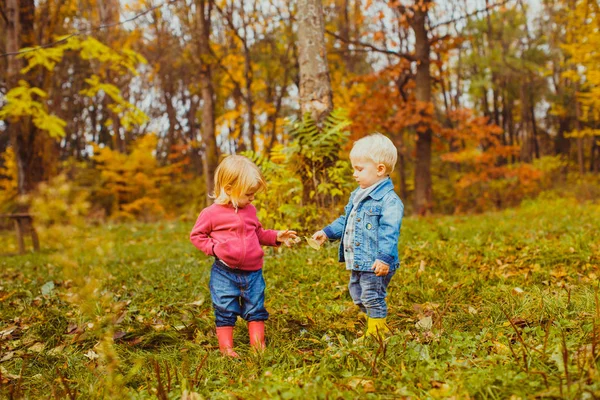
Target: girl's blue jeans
{"x": 237, "y": 293}
{"x": 369, "y": 291}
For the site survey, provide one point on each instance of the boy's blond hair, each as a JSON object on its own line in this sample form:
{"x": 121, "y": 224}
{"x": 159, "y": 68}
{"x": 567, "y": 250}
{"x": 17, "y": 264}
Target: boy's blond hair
{"x": 377, "y": 148}
{"x": 240, "y": 176}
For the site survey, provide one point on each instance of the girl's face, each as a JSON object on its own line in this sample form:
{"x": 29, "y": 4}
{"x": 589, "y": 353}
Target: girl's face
{"x": 366, "y": 172}
{"x": 246, "y": 198}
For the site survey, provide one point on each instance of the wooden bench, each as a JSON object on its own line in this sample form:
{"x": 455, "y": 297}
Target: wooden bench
{"x": 23, "y": 224}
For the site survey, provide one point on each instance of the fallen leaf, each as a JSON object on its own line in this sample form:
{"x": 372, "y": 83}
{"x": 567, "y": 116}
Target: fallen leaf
{"x": 91, "y": 354}
{"x": 424, "y": 323}
{"x": 6, "y": 375}
{"x": 421, "y": 269}
{"x": 179, "y": 327}
{"x": 57, "y": 350}
{"x": 517, "y": 291}
{"x": 197, "y": 303}
{"x": 37, "y": 347}
{"x": 472, "y": 310}
{"x": 72, "y": 329}
{"x": 47, "y": 288}
{"x": 4, "y": 334}
{"x": 366, "y": 385}
{"x": 313, "y": 243}
{"x": 7, "y": 356}
{"x": 118, "y": 335}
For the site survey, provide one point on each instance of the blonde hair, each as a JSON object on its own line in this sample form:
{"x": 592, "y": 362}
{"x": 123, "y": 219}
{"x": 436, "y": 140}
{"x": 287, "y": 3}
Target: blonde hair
{"x": 239, "y": 175}
{"x": 377, "y": 148}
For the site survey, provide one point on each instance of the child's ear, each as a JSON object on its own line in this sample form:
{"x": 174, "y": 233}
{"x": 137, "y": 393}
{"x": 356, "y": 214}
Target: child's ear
{"x": 381, "y": 170}
{"x": 227, "y": 189}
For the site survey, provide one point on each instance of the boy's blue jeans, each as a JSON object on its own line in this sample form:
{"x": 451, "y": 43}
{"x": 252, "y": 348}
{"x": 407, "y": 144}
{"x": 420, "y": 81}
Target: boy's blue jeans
{"x": 236, "y": 292}
{"x": 368, "y": 291}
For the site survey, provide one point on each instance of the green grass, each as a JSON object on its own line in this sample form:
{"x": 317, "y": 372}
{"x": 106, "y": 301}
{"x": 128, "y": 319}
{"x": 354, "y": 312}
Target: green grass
{"x": 512, "y": 297}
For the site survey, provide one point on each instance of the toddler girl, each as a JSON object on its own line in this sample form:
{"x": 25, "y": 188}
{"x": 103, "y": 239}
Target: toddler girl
{"x": 230, "y": 231}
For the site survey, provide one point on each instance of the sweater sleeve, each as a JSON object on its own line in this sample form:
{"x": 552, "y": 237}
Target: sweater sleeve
{"x": 200, "y": 235}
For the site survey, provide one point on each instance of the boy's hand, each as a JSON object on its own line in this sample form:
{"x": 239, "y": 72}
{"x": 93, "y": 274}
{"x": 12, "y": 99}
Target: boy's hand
{"x": 380, "y": 268}
{"x": 320, "y": 237}
{"x": 287, "y": 237}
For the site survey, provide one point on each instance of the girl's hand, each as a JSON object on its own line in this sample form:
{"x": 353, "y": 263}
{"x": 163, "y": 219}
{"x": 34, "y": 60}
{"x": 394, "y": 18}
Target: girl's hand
{"x": 287, "y": 237}
{"x": 320, "y": 237}
{"x": 380, "y": 268}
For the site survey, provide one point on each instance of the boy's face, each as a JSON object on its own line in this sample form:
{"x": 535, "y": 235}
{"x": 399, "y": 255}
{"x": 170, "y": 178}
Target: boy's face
{"x": 366, "y": 172}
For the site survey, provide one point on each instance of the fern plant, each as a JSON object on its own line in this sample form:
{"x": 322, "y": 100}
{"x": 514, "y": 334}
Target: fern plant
{"x": 316, "y": 150}
{"x": 306, "y": 178}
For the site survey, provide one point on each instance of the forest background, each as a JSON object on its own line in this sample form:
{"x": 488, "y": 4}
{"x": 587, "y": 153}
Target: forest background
{"x": 122, "y": 111}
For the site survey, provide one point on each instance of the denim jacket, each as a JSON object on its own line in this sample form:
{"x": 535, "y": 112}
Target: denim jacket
{"x": 376, "y": 229}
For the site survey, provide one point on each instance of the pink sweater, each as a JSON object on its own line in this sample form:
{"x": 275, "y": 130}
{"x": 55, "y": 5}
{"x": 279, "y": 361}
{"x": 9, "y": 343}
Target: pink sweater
{"x": 232, "y": 237}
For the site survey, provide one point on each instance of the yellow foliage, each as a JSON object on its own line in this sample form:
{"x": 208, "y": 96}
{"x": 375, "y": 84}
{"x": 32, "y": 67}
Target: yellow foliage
{"x": 21, "y": 103}
{"x": 8, "y": 179}
{"x": 583, "y": 49}
{"x": 60, "y": 202}
{"x": 132, "y": 182}
{"x": 129, "y": 114}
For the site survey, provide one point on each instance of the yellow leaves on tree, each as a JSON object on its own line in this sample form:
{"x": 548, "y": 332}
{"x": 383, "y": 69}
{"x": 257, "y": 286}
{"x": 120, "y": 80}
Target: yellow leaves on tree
{"x": 583, "y": 49}
{"x": 132, "y": 181}
{"x": 8, "y": 178}
{"x": 23, "y": 101}
{"x": 130, "y": 114}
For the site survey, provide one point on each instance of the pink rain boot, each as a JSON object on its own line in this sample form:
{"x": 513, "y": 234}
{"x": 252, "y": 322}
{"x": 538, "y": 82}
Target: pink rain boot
{"x": 225, "y": 336}
{"x": 256, "y": 330}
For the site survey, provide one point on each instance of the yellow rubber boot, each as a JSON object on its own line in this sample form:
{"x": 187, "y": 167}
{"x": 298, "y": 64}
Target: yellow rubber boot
{"x": 376, "y": 327}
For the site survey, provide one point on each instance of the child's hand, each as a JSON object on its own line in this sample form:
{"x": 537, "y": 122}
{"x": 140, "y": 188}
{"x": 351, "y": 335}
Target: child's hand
{"x": 287, "y": 237}
{"x": 380, "y": 268}
{"x": 320, "y": 237}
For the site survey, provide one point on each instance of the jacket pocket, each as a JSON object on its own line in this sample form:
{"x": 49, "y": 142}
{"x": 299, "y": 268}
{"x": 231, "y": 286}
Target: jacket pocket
{"x": 371, "y": 228}
{"x": 230, "y": 251}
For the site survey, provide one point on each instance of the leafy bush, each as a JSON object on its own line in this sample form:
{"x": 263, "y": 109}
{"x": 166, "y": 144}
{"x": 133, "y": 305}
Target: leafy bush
{"x": 60, "y": 202}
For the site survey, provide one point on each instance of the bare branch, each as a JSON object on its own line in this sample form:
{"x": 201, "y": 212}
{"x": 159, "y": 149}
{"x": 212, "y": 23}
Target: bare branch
{"x": 405, "y": 56}
{"x": 469, "y": 15}
{"x": 4, "y": 17}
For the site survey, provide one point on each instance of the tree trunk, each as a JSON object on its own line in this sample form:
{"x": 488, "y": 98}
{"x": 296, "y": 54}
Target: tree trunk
{"x": 26, "y": 140}
{"x": 562, "y": 145}
{"x": 423, "y": 188}
{"x": 315, "y": 85}
{"x": 210, "y": 158}
{"x": 595, "y": 156}
{"x": 14, "y": 64}
{"x": 580, "y": 155}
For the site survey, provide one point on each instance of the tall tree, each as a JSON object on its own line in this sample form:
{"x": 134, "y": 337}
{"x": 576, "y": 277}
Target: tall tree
{"x": 418, "y": 19}
{"x": 210, "y": 157}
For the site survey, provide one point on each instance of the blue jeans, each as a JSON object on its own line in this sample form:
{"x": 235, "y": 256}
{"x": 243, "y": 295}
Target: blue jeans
{"x": 368, "y": 291}
{"x": 236, "y": 292}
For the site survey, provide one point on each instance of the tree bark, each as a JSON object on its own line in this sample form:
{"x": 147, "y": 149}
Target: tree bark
{"x": 423, "y": 188}
{"x": 210, "y": 158}
{"x": 315, "y": 85}
{"x": 27, "y": 141}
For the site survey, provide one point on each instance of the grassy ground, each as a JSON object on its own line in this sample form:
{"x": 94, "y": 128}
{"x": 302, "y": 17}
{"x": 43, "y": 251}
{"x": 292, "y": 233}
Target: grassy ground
{"x": 489, "y": 306}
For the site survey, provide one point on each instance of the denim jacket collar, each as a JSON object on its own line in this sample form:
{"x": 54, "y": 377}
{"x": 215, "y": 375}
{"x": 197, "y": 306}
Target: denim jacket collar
{"x": 382, "y": 189}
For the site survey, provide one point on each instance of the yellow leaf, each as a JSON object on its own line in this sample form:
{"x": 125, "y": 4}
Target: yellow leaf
{"x": 313, "y": 243}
